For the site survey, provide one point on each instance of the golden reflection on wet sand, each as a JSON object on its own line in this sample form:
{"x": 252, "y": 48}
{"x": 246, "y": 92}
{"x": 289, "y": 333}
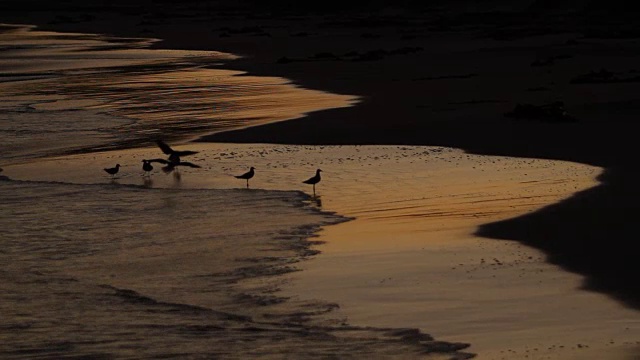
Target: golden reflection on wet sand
{"x": 138, "y": 93}
{"x": 410, "y": 257}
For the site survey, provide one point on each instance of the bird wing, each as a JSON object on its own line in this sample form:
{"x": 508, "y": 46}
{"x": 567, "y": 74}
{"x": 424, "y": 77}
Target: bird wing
{"x": 162, "y": 161}
{"x": 169, "y": 151}
{"x": 185, "y": 163}
{"x": 184, "y": 152}
{"x": 313, "y": 180}
{"x": 164, "y": 147}
{"x": 244, "y": 176}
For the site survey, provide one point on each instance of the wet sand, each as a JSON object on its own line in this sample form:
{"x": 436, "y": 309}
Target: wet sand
{"x": 119, "y": 93}
{"x": 186, "y": 266}
{"x": 437, "y": 96}
{"x": 409, "y": 257}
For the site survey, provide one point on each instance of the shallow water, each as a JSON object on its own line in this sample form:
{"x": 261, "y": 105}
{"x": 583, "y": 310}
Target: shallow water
{"x": 192, "y": 264}
{"x": 63, "y": 93}
{"x": 159, "y": 266}
{"x": 424, "y": 199}
{"x": 126, "y": 271}
{"x": 104, "y": 270}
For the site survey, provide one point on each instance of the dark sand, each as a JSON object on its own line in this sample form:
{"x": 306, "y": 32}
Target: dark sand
{"x": 445, "y": 78}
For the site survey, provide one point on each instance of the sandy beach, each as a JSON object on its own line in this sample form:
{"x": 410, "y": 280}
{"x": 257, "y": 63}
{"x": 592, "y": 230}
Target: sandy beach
{"x": 512, "y": 234}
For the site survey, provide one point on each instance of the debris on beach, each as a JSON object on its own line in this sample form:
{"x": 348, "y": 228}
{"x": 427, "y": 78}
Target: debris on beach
{"x": 552, "y": 112}
{"x": 371, "y": 55}
{"x": 550, "y": 60}
{"x": 604, "y": 76}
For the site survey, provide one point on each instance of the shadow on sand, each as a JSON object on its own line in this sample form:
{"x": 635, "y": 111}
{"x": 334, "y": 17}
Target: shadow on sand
{"x": 590, "y": 233}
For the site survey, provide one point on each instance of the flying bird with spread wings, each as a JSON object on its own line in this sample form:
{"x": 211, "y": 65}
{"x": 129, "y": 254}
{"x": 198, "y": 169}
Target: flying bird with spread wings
{"x": 174, "y": 157}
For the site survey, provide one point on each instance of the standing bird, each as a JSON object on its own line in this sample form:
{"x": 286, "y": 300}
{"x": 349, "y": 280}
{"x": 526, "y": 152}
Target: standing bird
{"x": 313, "y": 181}
{"x": 147, "y": 167}
{"x": 248, "y": 175}
{"x": 113, "y": 171}
{"x": 174, "y": 155}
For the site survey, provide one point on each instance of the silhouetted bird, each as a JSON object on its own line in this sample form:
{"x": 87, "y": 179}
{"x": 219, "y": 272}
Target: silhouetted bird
{"x": 171, "y": 165}
{"x": 248, "y": 175}
{"x": 174, "y": 155}
{"x": 314, "y": 180}
{"x": 113, "y": 171}
{"x": 147, "y": 167}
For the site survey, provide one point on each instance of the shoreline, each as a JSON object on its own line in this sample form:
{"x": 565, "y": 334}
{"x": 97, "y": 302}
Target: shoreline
{"x": 399, "y": 95}
{"x": 430, "y": 217}
{"x": 219, "y": 279}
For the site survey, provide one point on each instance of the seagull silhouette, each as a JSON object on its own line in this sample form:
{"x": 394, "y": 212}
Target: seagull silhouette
{"x": 314, "y": 180}
{"x": 147, "y": 167}
{"x": 171, "y": 165}
{"x": 113, "y": 171}
{"x": 248, "y": 175}
{"x": 174, "y": 155}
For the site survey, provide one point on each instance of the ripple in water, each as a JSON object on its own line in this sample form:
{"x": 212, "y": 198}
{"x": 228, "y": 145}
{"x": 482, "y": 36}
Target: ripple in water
{"x": 66, "y": 93}
{"x": 125, "y": 271}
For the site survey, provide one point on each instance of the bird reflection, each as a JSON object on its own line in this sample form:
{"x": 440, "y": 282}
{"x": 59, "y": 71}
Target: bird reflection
{"x": 147, "y": 182}
{"x": 317, "y": 200}
{"x": 174, "y": 155}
